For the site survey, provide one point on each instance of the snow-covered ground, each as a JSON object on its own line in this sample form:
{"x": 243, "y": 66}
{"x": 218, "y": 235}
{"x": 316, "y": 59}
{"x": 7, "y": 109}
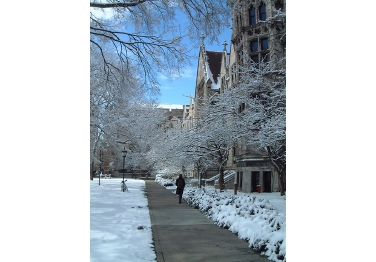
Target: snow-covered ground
{"x": 120, "y": 227}
{"x": 258, "y": 218}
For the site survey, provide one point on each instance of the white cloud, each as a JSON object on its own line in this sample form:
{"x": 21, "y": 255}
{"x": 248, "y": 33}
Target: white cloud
{"x": 189, "y": 73}
{"x": 162, "y": 77}
{"x": 185, "y": 73}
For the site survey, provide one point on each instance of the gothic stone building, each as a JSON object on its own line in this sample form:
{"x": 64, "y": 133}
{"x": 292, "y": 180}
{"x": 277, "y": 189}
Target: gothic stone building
{"x": 262, "y": 38}
{"x": 259, "y": 33}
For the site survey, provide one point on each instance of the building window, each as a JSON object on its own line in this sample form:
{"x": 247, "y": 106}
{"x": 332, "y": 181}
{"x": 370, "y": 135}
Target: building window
{"x": 259, "y": 50}
{"x": 254, "y": 46}
{"x": 264, "y": 43}
{"x": 262, "y": 12}
{"x": 252, "y": 16}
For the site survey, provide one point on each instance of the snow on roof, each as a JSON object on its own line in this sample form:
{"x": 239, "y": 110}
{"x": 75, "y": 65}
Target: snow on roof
{"x": 170, "y": 106}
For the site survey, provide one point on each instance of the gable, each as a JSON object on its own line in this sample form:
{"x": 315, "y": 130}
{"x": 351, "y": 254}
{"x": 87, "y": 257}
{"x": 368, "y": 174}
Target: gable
{"x": 214, "y": 61}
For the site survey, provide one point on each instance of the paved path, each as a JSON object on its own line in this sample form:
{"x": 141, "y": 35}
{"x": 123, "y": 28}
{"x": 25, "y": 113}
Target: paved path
{"x": 183, "y": 234}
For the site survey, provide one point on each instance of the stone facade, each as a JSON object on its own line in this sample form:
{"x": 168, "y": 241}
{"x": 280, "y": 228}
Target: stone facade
{"x": 260, "y": 37}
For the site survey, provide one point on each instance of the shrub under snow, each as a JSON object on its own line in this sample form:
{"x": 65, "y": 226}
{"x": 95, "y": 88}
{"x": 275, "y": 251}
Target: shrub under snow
{"x": 253, "y": 219}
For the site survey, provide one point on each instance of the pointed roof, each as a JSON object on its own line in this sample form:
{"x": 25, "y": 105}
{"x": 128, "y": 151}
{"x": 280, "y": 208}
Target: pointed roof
{"x": 211, "y": 63}
{"x": 214, "y": 62}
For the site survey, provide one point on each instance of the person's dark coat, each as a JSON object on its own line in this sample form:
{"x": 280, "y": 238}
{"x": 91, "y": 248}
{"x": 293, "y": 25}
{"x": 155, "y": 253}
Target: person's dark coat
{"x": 180, "y": 184}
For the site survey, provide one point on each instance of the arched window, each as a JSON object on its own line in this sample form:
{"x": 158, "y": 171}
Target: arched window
{"x": 262, "y": 12}
{"x": 252, "y": 16}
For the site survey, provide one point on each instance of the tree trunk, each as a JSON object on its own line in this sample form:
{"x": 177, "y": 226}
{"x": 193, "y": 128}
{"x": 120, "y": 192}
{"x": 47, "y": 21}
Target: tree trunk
{"x": 221, "y": 179}
{"x": 92, "y": 171}
{"x": 280, "y": 168}
{"x": 282, "y": 181}
{"x": 281, "y": 178}
{"x": 199, "y": 177}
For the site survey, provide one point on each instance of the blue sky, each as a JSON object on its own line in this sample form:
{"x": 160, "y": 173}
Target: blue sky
{"x": 177, "y": 91}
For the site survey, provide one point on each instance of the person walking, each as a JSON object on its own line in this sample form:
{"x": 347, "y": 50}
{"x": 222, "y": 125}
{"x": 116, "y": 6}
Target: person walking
{"x": 180, "y": 184}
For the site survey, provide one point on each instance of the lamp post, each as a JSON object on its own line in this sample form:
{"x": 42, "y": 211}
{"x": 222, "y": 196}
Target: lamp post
{"x": 124, "y": 153}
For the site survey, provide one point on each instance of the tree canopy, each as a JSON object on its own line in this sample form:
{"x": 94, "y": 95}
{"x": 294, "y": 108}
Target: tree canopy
{"x": 148, "y": 34}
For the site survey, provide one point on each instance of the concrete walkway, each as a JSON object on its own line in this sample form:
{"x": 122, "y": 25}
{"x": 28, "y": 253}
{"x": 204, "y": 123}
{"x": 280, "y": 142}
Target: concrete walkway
{"x": 183, "y": 234}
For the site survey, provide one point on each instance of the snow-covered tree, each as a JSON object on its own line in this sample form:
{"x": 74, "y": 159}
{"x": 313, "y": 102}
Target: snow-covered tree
{"x": 262, "y": 87}
{"x": 148, "y": 34}
{"x": 194, "y": 154}
{"x": 178, "y": 149}
{"x": 120, "y": 113}
{"x": 165, "y": 154}
{"x": 214, "y": 133}
{"x": 206, "y": 144}
{"x": 131, "y": 41}
{"x": 262, "y": 122}
{"x": 261, "y": 91}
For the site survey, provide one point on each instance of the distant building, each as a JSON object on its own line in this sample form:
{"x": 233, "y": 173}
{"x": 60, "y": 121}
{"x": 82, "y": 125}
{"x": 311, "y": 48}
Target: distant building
{"x": 173, "y": 114}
